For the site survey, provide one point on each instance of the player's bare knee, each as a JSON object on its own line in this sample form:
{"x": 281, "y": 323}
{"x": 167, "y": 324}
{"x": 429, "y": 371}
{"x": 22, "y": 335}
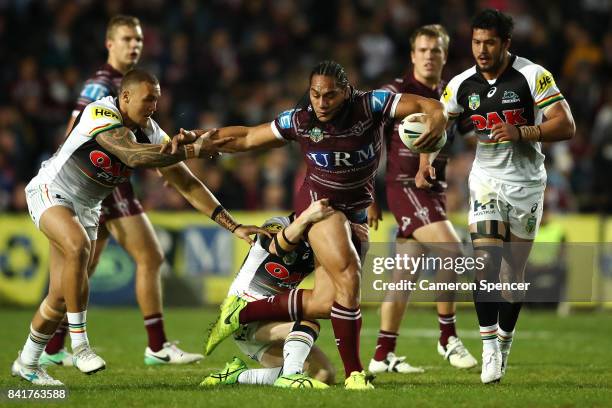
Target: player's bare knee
{"x": 151, "y": 259}
{"x": 77, "y": 248}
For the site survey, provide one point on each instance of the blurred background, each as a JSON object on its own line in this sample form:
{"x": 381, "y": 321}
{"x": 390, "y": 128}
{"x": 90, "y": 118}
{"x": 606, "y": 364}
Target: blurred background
{"x": 229, "y": 62}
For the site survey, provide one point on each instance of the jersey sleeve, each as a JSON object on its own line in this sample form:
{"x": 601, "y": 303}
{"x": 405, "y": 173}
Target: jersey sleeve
{"x": 449, "y": 99}
{"x": 98, "y": 118}
{"x": 91, "y": 92}
{"x": 156, "y": 134}
{"x": 543, "y": 88}
{"x": 273, "y": 226}
{"x": 383, "y": 102}
{"x": 284, "y": 124}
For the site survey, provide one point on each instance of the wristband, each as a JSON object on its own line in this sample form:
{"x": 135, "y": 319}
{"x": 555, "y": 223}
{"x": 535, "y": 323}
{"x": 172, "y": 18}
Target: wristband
{"x": 520, "y": 133}
{"x": 236, "y": 227}
{"x": 280, "y": 251}
{"x": 192, "y": 150}
{"x": 531, "y": 133}
{"x": 216, "y": 212}
{"x": 287, "y": 239}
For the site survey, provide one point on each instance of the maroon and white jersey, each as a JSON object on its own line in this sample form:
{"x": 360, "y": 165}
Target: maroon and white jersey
{"x": 341, "y": 155}
{"x": 403, "y": 163}
{"x": 105, "y": 82}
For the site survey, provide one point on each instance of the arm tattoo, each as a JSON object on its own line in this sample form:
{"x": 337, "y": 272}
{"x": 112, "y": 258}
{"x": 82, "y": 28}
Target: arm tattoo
{"x": 224, "y": 219}
{"x": 122, "y": 143}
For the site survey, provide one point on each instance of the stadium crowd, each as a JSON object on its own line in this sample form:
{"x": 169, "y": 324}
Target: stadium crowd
{"x": 225, "y": 62}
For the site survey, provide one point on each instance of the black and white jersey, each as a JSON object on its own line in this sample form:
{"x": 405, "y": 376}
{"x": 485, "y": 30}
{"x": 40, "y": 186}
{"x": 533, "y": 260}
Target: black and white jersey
{"x": 519, "y": 96}
{"x": 81, "y": 165}
{"x": 263, "y": 274}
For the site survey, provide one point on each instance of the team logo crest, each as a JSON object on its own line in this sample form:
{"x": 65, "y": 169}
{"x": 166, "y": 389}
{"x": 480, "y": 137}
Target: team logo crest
{"x": 474, "y": 101}
{"x": 316, "y": 134}
{"x": 510, "y": 97}
{"x": 531, "y": 224}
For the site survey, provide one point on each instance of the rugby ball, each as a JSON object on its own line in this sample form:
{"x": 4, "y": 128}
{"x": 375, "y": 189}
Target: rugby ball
{"x": 409, "y": 132}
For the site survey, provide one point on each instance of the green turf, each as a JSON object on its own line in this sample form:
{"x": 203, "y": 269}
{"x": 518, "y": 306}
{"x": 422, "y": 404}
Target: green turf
{"x": 556, "y": 361}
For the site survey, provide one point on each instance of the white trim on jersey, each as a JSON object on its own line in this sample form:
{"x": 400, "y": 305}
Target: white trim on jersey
{"x": 277, "y": 134}
{"x": 394, "y": 104}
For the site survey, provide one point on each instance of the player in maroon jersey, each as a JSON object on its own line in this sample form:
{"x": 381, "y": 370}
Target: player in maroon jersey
{"x": 122, "y": 214}
{"x": 420, "y": 214}
{"x": 340, "y": 132}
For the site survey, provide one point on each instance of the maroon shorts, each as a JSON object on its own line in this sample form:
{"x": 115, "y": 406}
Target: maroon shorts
{"x": 304, "y": 198}
{"x": 120, "y": 203}
{"x": 414, "y": 207}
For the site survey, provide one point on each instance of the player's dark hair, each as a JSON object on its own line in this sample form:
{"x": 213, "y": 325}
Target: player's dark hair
{"x": 331, "y": 69}
{"x": 120, "y": 20}
{"x": 326, "y": 68}
{"x": 490, "y": 19}
{"x": 137, "y": 75}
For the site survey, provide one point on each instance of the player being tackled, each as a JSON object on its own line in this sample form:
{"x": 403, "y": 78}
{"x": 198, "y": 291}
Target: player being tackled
{"x": 273, "y": 266}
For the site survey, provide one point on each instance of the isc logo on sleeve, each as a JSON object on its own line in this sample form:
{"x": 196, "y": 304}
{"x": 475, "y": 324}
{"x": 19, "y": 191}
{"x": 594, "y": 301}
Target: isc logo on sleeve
{"x": 101, "y": 113}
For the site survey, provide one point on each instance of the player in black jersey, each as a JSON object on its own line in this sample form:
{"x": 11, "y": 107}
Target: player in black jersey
{"x": 514, "y": 106}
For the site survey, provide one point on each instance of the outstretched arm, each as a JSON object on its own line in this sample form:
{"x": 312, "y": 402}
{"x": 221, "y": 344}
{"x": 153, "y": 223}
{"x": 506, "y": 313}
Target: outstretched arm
{"x": 122, "y": 143}
{"x": 241, "y": 139}
{"x": 200, "y": 197}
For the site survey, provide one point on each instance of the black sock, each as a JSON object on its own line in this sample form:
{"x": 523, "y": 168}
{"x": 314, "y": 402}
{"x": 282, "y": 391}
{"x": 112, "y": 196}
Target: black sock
{"x": 508, "y": 315}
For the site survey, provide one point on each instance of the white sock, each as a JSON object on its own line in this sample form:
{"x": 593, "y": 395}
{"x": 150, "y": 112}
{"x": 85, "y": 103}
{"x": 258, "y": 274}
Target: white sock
{"x": 77, "y": 324}
{"x": 504, "y": 339}
{"x": 259, "y": 376}
{"x": 34, "y": 346}
{"x": 488, "y": 334}
{"x": 296, "y": 349}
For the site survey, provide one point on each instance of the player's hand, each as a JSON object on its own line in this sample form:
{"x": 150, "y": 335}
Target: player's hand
{"x": 425, "y": 177}
{"x": 374, "y": 215}
{"x": 317, "y": 211}
{"x": 435, "y": 125}
{"x": 362, "y": 231}
{"x": 244, "y": 232}
{"x": 503, "y": 132}
{"x": 207, "y": 144}
{"x": 182, "y": 138}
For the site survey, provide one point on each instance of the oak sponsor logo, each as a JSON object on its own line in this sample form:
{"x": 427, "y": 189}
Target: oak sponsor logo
{"x": 510, "y": 116}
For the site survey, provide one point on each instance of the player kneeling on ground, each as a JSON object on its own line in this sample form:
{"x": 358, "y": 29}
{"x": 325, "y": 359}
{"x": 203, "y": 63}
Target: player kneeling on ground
{"x": 286, "y": 349}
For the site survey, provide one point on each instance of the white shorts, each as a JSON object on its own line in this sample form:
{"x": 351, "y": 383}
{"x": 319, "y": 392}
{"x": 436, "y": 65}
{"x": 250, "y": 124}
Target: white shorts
{"x": 245, "y": 340}
{"x": 41, "y": 197}
{"x": 518, "y": 206}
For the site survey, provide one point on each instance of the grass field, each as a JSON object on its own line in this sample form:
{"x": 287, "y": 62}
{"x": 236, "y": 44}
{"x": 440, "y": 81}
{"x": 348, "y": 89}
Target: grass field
{"x": 561, "y": 362}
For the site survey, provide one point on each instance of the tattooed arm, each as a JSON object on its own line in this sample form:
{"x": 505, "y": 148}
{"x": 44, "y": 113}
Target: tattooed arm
{"x": 200, "y": 197}
{"x": 122, "y": 143}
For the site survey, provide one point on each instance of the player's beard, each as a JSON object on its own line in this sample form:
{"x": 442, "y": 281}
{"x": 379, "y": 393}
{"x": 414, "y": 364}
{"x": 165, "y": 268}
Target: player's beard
{"x": 499, "y": 62}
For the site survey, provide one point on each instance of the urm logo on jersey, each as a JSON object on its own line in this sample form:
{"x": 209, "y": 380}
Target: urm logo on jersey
{"x": 343, "y": 159}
